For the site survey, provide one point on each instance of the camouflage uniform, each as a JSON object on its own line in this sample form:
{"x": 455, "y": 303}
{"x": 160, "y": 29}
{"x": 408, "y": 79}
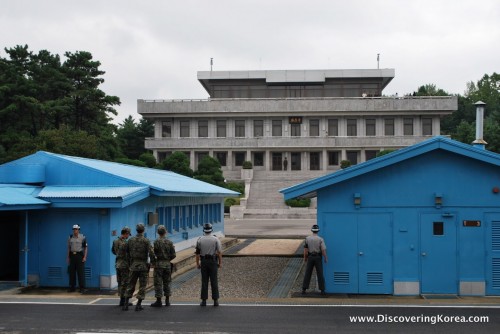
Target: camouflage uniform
{"x": 165, "y": 252}
{"x": 121, "y": 264}
{"x": 138, "y": 249}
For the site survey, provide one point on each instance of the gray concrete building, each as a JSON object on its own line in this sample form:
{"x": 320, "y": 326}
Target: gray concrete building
{"x": 313, "y": 119}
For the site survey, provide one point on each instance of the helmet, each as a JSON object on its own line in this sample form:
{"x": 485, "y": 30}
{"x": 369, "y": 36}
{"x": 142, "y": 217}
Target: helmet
{"x": 207, "y": 228}
{"x": 315, "y": 229}
{"x": 140, "y": 228}
{"x": 125, "y": 229}
{"x": 161, "y": 229}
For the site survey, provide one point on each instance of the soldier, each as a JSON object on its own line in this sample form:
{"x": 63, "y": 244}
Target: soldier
{"x": 209, "y": 251}
{"x": 77, "y": 255}
{"x": 138, "y": 249}
{"x": 314, "y": 249}
{"x": 122, "y": 262}
{"x": 165, "y": 252}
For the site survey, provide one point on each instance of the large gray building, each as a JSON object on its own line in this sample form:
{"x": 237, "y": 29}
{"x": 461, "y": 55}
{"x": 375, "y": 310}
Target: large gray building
{"x": 314, "y": 119}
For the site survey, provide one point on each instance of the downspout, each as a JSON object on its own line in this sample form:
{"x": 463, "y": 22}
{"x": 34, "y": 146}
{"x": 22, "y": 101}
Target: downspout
{"x": 25, "y": 249}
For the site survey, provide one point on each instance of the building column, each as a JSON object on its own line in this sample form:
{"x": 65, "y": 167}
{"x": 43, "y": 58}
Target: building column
{"x": 324, "y": 160}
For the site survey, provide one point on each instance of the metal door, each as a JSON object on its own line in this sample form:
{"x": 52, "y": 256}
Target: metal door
{"x": 438, "y": 250}
{"x": 375, "y": 253}
{"x": 359, "y": 253}
{"x": 340, "y": 232}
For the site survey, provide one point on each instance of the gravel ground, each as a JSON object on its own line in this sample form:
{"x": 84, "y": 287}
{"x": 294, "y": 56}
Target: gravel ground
{"x": 240, "y": 277}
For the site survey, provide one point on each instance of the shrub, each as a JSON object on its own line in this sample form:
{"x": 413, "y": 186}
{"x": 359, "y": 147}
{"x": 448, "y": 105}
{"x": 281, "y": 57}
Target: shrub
{"x": 345, "y": 164}
{"x": 298, "y": 202}
{"x": 228, "y": 202}
{"x": 247, "y": 165}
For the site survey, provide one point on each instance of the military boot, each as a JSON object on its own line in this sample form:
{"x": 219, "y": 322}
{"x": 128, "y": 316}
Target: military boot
{"x": 122, "y": 301}
{"x": 167, "y": 301}
{"x": 125, "y": 305}
{"x": 157, "y": 303}
{"x": 138, "y": 306}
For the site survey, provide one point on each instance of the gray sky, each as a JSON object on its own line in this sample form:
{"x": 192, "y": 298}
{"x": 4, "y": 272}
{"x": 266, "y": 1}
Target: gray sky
{"x": 152, "y": 49}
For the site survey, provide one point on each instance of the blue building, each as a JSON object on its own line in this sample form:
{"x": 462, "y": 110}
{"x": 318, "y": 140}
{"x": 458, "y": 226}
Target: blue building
{"x": 44, "y": 194}
{"x": 421, "y": 220}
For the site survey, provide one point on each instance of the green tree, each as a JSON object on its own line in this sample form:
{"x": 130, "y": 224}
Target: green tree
{"x": 430, "y": 90}
{"x": 149, "y": 159}
{"x": 209, "y": 170}
{"x": 178, "y": 163}
{"x": 39, "y": 93}
{"x": 131, "y": 135}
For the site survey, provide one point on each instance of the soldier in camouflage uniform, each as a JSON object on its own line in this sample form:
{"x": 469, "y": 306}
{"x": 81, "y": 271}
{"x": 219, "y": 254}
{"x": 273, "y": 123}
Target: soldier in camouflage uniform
{"x": 121, "y": 262}
{"x": 165, "y": 252}
{"x": 138, "y": 249}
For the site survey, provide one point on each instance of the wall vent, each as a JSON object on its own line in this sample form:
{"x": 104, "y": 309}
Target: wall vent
{"x": 375, "y": 278}
{"x": 55, "y": 272}
{"x": 341, "y": 277}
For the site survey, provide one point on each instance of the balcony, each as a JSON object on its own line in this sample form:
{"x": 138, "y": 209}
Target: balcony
{"x": 282, "y": 107}
{"x": 263, "y": 143}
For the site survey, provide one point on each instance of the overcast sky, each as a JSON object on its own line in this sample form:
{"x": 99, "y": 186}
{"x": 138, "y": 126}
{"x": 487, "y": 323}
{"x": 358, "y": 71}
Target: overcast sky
{"x": 152, "y": 49}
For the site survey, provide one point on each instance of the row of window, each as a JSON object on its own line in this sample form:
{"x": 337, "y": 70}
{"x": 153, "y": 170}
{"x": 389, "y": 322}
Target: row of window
{"x": 278, "y": 158}
{"x": 296, "y": 129}
{"x": 185, "y": 217}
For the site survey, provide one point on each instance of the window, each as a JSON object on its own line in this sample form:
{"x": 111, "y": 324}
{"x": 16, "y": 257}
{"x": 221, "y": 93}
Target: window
{"x": 333, "y": 158}
{"x": 333, "y": 127}
{"x": 295, "y": 130}
{"x": 221, "y": 128}
{"x": 184, "y": 128}
{"x": 370, "y": 127}
{"x": 352, "y": 156}
{"x": 389, "y": 127}
{"x": 352, "y": 128}
{"x": 438, "y": 228}
{"x": 258, "y": 159}
{"x": 408, "y": 126}
{"x": 370, "y": 154}
{"x": 239, "y": 158}
{"x": 277, "y": 128}
{"x": 203, "y": 129}
{"x": 258, "y": 128}
{"x": 166, "y": 129}
{"x": 239, "y": 128}
{"x": 222, "y": 158}
{"x": 314, "y": 127}
{"x": 427, "y": 126}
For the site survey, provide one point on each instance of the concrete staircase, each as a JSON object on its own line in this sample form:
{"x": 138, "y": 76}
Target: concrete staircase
{"x": 265, "y": 201}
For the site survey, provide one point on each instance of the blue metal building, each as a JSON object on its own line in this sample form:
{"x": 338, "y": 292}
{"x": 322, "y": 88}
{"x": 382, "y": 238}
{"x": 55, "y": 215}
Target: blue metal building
{"x": 421, "y": 220}
{"x": 44, "y": 194}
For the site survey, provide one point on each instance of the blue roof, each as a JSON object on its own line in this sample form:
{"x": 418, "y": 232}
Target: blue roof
{"x": 160, "y": 181}
{"x": 72, "y": 181}
{"x": 20, "y": 196}
{"x": 309, "y": 188}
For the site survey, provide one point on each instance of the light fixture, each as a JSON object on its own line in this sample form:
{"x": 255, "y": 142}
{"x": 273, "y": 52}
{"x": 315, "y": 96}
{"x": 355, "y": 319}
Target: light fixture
{"x": 357, "y": 199}
{"x": 438, "y": 200}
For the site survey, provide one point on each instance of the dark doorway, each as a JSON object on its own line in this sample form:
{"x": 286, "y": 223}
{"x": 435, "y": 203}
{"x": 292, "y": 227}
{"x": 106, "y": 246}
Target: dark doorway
{"x": 9, "y": 245}
{"x": 295, "y": 157}
{"x": 277, "y": 161}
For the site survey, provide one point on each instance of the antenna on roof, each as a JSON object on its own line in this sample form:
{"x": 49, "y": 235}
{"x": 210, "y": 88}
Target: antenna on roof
{"x": 211, "y": 64}
{"x": 378, "y": 61}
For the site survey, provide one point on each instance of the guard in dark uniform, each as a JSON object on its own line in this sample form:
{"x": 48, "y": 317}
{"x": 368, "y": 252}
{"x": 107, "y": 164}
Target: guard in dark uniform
{"x": 77, "y": 255}
{"x": 314, "y": 251}
{"x": 209, "y": 260}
